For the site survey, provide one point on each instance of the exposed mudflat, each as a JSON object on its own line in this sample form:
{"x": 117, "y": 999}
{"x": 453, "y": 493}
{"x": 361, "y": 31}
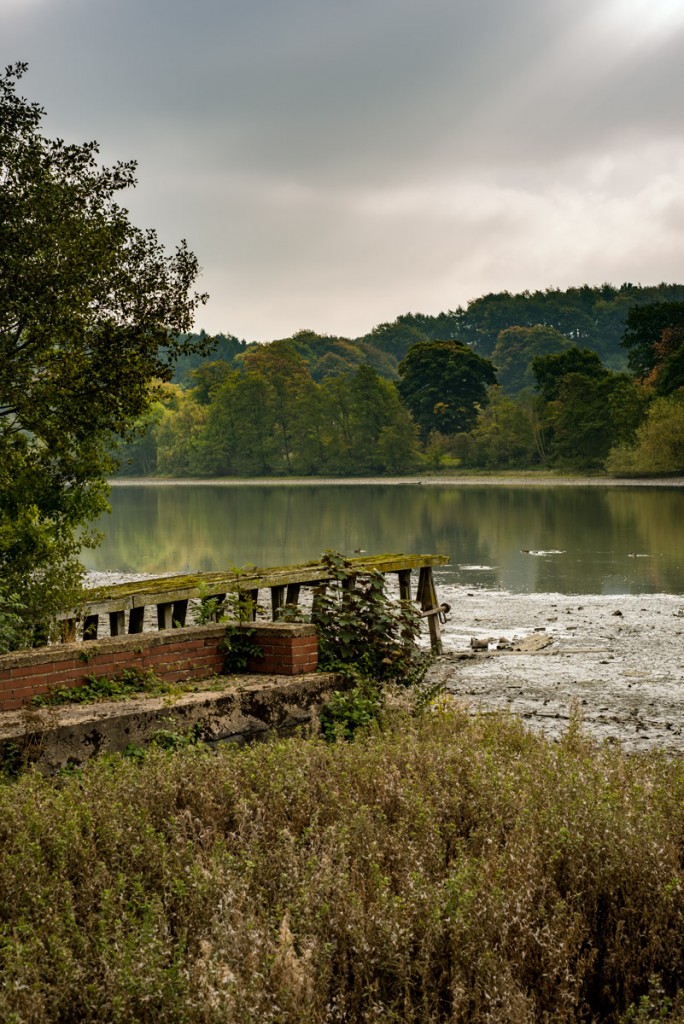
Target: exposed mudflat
{"x": 618, "y": 659}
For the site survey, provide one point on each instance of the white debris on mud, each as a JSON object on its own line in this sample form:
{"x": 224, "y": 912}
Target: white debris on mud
{"x": 618, "y": 660}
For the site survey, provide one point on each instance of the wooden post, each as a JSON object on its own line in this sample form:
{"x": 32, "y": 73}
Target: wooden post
{"x": 404, "y": 584}
{"x": 427, "y": 596}
{"x": 180, "y": 612}
{"x": 135, "y": 619}
{"x": 165, "y": 615}
{"x": 90, "y": 624}
{"x": 117, "y": 623}
{"x": 277, "y": 600}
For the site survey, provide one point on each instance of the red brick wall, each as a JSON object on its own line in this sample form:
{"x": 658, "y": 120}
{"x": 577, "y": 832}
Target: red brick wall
{"x": 175, "y": 655}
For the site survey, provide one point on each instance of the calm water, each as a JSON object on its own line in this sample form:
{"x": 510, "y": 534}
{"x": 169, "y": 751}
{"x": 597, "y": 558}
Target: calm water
{"x": 571, "y": 540}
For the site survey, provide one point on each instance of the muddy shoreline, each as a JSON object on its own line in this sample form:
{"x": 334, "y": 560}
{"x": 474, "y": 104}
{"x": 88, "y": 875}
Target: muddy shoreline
{"x": 618, "y": 660}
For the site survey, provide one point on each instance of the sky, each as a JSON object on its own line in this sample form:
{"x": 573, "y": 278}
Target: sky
{"x": 335, "y": 163}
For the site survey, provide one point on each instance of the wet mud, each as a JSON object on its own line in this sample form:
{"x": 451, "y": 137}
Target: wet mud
{"x": 617, "y": 660}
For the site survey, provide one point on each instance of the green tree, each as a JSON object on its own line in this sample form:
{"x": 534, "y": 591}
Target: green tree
{"x": 396, "y": 338}
{"x": 178, "y": 434}
{"x": 507, "y": 433}
{"x": 515, "y": 349}
{"x": 443, "y": 384}
{"x": 369, "y": 430}
{"x": 292, "y": 388}
{"x": 549, "y": 371}
{"x": 92, "y": 309}
{"x": 658, "y": 447}
{"x": 239, "y": 435}
{"x": 585, "y": 408}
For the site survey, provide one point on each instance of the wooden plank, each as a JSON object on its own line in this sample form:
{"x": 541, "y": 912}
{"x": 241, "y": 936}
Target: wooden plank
{"x": 318, "y": 593}
{"x": 404, "y": 584}
{"x": 165, "y": 615}
{"x": 182, "y": 587}
{"x": 117, "y": 623}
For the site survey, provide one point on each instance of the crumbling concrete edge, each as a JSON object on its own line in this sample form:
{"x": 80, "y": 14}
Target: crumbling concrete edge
{"x": 58, "y": 737}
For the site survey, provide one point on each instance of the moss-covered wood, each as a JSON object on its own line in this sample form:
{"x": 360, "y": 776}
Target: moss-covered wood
{"x": 183, "y": 586}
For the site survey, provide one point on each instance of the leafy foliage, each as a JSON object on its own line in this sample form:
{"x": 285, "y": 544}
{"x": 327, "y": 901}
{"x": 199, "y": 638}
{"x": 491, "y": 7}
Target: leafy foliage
{"x": 370, "y": 639}
{"x": 658, "y": 447}
{"x": 359, "y": 625}
{"x": 654, "y": 335}
{"x": 443, "y": 384}
{"x": 240, "y": 648}
{"x": 586, "y": 409}
{"x": 14, "y": 633}
{"x": 98, "y": 688}
{"x": 92, "y": 310}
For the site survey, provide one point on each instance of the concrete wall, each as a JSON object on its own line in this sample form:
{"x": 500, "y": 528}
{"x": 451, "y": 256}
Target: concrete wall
{"x": 175, "y": 655}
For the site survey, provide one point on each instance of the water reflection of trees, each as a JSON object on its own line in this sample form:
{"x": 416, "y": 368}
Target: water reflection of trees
{"x": 167, "y": 528}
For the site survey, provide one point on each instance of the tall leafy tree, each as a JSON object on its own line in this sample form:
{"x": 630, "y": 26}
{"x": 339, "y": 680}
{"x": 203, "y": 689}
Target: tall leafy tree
{"x": 92, "y": 310}
{"x": 443, "y": 383}
{"x": 585, "y": 408}
{"x": 515, "y": 349}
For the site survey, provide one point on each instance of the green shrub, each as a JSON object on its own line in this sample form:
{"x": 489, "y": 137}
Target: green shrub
{"x": 444, "y": 868}
{"x": 369, "y": 638}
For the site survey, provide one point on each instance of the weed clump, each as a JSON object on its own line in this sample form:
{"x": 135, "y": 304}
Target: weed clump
{"x": 97, "y": 688}
{"x": 367, "y": 637}
{"x": 444, "y": 868}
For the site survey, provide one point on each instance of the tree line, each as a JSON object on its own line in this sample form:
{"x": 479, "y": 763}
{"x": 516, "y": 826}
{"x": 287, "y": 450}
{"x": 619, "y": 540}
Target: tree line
{"x": 403, "y": 399}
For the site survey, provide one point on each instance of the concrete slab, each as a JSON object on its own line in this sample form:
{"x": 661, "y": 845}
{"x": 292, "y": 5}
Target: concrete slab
{"x": 246, "y": 709}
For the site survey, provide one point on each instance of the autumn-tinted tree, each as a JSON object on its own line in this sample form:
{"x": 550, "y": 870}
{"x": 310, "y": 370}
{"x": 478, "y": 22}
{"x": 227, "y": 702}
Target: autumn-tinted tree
{"x": 644, "y": 333}
{"x": 92, "y": 309}
{"x": 442, "y": 385}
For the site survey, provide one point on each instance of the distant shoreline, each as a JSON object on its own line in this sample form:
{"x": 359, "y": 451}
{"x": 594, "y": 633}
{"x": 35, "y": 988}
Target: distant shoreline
{"x": 398, "y": 481}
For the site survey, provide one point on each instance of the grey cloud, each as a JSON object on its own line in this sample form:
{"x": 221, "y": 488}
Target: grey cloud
{"x": 354, "y": 159}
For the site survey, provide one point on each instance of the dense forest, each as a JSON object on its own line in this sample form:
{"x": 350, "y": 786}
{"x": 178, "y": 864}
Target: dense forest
{"x": 591, "y": 379}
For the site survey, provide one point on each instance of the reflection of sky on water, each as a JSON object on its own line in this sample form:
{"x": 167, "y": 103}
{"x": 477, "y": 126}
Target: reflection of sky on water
{"x": 520, "y": 539}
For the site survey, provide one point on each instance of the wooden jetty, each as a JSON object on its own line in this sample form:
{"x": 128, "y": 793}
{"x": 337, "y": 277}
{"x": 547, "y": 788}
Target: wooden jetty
{"x": 125, "y": 603}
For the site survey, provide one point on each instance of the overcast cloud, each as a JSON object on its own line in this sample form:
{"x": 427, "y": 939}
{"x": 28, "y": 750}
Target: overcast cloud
{"x": 335, "y": 163}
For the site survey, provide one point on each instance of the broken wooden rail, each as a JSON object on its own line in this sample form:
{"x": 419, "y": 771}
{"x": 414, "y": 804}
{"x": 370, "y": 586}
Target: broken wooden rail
{"x": 125, "y": 603}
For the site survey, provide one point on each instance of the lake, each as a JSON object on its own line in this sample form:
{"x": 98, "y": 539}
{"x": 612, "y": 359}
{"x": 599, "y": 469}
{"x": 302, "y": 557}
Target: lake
{"x": 519, "y": 538}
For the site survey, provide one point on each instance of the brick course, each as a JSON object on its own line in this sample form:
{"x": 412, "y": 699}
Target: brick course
{"x": 193, "y": 652}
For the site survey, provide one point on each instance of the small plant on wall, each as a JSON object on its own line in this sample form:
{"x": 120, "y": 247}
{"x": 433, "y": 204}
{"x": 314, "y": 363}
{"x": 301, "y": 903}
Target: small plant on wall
{"x": 370, "y": 638}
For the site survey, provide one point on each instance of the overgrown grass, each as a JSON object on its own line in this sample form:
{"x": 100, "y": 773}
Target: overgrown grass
{"x": 441, "y": 868}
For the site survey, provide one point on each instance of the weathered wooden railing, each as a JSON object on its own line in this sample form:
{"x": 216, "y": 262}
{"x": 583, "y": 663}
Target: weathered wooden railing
{"x": 171, "y": 594}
